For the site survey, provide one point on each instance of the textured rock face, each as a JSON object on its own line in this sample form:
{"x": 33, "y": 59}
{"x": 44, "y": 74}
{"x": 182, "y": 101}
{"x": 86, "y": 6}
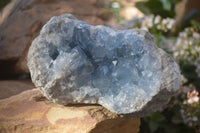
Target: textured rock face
{"x": 21, "y": 21}
{"x": 73, "y": 62}
{"x": 29, "y": 112}
{"x": 9, "y": 88}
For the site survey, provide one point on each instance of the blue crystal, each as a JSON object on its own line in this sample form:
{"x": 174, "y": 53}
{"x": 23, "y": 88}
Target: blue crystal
{"x": 73, "y": 62}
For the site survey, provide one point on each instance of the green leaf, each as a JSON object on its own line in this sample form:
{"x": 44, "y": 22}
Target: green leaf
{"x": 3, "y": 3}
{"x": 142, "y": 7}
{"x": 156, "y": 7}
{"x": 190, "y": 16}
{"x": 177, "y": 1}
{"x": 157, "y": 117}
{"x": 195, "y": 24}
{"x": 153, "y": 126}
{"x": 166, "y": 4}
{"x": 172, "y": 128}
{"x": 177, "y": 119}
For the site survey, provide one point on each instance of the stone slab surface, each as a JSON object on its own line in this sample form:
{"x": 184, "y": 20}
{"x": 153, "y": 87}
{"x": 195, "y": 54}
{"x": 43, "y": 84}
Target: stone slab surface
{"x": 30, "y": 112}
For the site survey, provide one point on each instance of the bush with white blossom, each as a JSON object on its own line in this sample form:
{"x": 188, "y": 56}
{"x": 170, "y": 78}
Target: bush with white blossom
{"x": 156, "y": 23}
{"x": 185, "y": 47}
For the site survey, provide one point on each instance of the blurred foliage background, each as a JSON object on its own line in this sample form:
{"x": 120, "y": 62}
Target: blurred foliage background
{"x": 181, "y": 39}
{"x": 4, "y": 3}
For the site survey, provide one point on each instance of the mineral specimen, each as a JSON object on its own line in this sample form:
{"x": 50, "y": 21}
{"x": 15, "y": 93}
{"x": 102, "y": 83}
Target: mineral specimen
{"x": 124, "y": 71}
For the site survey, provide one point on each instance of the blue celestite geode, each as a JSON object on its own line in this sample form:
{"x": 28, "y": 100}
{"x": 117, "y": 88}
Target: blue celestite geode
{"x": 124, "y": 71}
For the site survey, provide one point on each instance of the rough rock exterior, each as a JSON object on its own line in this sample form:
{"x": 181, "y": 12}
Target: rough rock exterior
{"x": 21, "y": 21}
{"x": 124, "y": 71}
{"x": 9, "y": 88}
{"x": 29, "y": 112}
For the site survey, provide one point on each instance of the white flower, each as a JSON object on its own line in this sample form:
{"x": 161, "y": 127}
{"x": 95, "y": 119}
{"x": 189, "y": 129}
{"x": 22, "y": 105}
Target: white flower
{"x": 190, "y": 124}
{"x": 157, "y": 19}
{"x": 144, "y": 28}
{"x": 171, "y": 23}
{"x": 159, "y": 27}
{"x": 164, "y": 21}
{"x": 193, "y": 97}
{"x": 176, "y": 54}
{"x": 196, "y": 35}
{"x": 149, "y": 22}
{"x": 181, "y": 52}
{"x": 187, "y": 45}
{"x": 195, "y": 118}
{"x": 115, "y": 5}
{"x": 183, "y": 34}
{"x": 192, "y": 100}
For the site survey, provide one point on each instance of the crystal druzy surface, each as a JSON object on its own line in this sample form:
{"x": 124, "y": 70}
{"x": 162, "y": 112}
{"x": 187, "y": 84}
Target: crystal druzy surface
{"x": 124, "y": 71}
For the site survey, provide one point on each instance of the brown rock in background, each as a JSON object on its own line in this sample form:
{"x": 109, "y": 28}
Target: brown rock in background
{"x": 29, "y": 112}
{"x": 183, "y": 8}
{"x": 192, "y": 5}
{"x": 21, "y": 21}
{"x": 9, "y": 88}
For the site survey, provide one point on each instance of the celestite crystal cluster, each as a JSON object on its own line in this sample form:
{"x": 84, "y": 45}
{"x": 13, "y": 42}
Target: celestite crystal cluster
{"x": 124, "y": 71}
